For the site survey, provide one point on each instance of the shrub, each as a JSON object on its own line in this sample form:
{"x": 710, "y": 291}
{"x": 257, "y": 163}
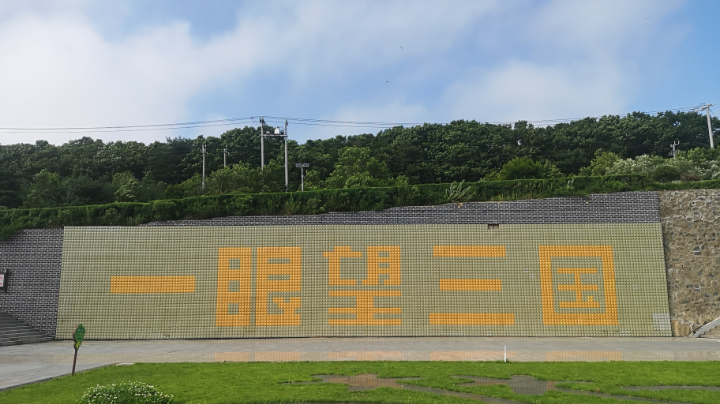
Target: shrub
{"x": 457, "y": 193}
{"x": 526, "y": 168}
{"x": 125, "y": 393}
{"x": 666, "y": 174}
{"x": 326, "y": 200}
{"x": 690, "y": 177}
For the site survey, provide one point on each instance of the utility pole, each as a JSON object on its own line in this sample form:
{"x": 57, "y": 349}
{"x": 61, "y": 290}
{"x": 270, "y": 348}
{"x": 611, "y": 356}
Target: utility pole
{"x": 302, "y": 167}
{"x": 286, "y": 157}
{"x": 204, "y": 152}
{"x": 674, "y": 145}
{"x": 225, "y": 157}
{"x": 262, "y": 144}
{"x": 706, "y": 107}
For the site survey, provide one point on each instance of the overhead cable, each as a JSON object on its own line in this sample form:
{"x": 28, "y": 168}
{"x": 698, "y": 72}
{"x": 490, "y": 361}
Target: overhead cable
{"x": 272, "y": 119}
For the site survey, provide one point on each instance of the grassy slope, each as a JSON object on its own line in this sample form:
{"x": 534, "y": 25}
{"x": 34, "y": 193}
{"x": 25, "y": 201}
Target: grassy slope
{"x": 263, "y": 382}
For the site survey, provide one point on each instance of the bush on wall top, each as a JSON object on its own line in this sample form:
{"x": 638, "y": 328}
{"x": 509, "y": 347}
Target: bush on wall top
{"x": 321, "y": 201}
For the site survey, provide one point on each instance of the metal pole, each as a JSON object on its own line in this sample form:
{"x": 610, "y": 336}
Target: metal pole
{"x": 302, "y": 178}
{"x": 262, "y": 144}
{"x": 74, "y": 362}
{"x": 673, "y": 145}
{"x": 286, "y": 158}
{"x": 707, "y": 109}
{"x": 225, "y": 157}
{"x": 203, "y": 176}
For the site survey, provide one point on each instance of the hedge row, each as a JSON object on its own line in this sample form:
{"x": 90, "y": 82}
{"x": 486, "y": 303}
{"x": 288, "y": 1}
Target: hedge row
{"x": 314, "y": 202}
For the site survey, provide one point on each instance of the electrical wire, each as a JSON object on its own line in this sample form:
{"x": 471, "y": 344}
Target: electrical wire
{"x": 272, "y": 119}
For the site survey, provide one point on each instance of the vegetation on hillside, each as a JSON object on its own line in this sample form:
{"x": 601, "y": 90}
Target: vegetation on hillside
{"x": 322, "y": 201}
{"x": 91, "y": 172}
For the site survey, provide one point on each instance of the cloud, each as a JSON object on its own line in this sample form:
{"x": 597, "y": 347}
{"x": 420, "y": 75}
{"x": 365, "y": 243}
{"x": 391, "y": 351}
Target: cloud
{"x": 568, "y": 60}
{"x": 60, "y": 68}
{"x": 62, "y": 73}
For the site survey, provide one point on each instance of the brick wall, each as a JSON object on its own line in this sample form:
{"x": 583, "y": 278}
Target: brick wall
{"x": 33, "y": 259}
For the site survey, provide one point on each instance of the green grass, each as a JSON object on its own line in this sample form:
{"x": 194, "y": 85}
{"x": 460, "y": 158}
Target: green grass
{"x": 266, "y": 382}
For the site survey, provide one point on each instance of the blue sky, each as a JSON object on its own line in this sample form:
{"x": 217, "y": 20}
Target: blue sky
{"x": 99, "y": 63}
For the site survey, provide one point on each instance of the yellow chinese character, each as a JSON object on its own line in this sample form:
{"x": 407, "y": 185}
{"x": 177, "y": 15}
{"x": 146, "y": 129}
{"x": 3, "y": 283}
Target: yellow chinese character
{"x": 550, "y": 316}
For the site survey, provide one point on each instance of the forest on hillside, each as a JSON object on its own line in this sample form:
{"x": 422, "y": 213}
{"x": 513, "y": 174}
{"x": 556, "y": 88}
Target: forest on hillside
{"x": 90, "y": 171}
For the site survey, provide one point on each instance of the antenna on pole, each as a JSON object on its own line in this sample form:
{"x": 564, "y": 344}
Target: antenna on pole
{"x": 204, "y": 152}
{"x": 262, "y": 144}
{"x": 674, "y": 145}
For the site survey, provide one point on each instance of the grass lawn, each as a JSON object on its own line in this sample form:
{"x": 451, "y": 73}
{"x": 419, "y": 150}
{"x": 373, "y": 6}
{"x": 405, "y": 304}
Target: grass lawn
{"x": 267, "y": 382}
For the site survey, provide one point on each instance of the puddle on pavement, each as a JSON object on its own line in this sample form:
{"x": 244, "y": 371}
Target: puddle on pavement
{"x": 518, "y": 384}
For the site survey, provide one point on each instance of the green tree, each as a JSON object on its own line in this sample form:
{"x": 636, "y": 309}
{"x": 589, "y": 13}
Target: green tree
{"x": 236, "y": 178}
{"x": 188, "y": 188}
{"x": 46, "y": 190}
{"x": 602, "y": 162}
{"x": 127, "y": 187}
{"x": 10, "y": 188}
{"x": 84, "y": 190}
{"x": 356, "y": 168}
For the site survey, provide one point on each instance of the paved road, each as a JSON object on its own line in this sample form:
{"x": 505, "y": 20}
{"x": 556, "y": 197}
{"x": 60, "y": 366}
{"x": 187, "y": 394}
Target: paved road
{"x": 22, "y": 364}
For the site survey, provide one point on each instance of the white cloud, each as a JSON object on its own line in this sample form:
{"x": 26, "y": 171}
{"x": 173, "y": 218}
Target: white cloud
{"x": 59, "y": 72}
{"x": 58, "y": 68}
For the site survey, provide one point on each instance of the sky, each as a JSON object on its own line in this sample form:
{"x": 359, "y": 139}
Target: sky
{"x": 84, "y": 63}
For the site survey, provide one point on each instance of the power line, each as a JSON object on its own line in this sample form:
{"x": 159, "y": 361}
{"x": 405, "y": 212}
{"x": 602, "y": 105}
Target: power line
{"x": 253, "y": 119}
{"x": 139, "y": 126}
{"x": 131, "y": 128}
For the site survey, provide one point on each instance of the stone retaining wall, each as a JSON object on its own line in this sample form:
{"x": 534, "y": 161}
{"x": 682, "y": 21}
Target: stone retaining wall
{"x": 691, "y": 237}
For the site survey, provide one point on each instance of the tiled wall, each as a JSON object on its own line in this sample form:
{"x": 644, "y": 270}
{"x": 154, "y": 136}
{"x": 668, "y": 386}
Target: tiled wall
{"x": 33, "y": 259}
{"x": 553, "y": 267}
{"x": 437, "y": 270}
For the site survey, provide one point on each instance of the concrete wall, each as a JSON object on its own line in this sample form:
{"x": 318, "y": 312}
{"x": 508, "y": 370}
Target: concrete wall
{"x": 33, "y": 258}
{"x": 691, "y": 234}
